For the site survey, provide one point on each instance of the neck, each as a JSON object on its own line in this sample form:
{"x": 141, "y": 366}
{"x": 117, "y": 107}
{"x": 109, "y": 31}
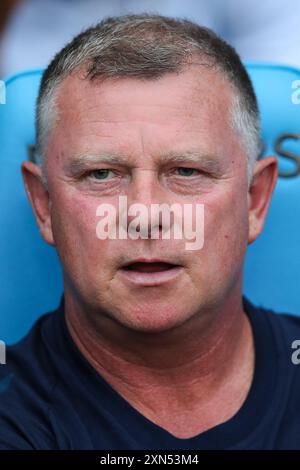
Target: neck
{"x": 191, "y": 365}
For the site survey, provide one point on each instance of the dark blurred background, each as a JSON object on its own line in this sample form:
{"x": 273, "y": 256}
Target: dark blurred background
{"x": 32, "y": 31}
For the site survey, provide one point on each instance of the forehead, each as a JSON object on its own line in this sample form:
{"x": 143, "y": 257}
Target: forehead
{"x": 194, "y": 106}
{"x": 196, "y": 86}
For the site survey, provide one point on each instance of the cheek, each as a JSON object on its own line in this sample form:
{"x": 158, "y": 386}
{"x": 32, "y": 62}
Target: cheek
{"x": 225, "y": 230}
{"x": 74, "y": 224}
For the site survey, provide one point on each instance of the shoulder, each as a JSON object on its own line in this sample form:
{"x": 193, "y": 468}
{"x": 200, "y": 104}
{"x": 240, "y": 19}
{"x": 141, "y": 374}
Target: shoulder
{"x": 27, "y": 381}
{"x": 286, "y": 326}
{"x": 280, "y": 335}
{"x": 284, "y": 323}
{"x": 280, "y": 331}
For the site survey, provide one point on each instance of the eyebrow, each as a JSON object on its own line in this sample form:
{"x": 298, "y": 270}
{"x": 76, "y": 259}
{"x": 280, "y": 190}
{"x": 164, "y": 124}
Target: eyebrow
{"x": 80, "y": 162}
{"x": 209, "y": 162}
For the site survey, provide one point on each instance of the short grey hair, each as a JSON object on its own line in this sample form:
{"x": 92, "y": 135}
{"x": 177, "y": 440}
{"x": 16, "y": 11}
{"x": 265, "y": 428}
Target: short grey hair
{"x": 147, "y": 47}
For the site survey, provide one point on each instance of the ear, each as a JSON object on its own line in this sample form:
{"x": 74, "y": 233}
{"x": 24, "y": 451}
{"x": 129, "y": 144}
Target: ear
{"x": 39, "y": 199}
{"x": 260, "y": 194}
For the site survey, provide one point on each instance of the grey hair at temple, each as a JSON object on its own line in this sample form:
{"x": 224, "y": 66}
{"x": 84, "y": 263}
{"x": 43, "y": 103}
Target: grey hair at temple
{"x": 147, "y": 47}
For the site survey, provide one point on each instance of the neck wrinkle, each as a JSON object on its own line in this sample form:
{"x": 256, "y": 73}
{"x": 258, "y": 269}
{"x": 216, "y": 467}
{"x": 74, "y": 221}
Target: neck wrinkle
{"x": 171, "y": 361}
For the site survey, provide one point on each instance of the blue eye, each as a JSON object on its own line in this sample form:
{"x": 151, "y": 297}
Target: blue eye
{"x": 186, "y": 171}
{"x": 99, "y": 174}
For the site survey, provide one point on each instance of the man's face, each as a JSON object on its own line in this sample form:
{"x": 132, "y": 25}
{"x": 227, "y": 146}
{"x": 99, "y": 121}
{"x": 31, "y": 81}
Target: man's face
{"x": 143, "y": 124}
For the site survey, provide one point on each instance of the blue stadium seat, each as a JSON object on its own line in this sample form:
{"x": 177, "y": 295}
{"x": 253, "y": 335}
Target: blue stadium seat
{"x": 31, "y": 281}
{"x": 272, "y": 270}
{"x": 30, "y": 273}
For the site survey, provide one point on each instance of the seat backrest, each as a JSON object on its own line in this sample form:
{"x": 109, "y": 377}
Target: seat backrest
{"x": 31, "y": 281}
{"x": 30, "y": 273}
{"x": 272, "y": 269}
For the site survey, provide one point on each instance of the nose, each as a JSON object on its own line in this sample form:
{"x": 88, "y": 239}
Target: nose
{"x": 144, "y": 195}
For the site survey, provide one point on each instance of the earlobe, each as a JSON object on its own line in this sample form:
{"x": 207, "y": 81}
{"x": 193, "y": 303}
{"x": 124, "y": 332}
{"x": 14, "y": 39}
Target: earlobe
{"x": 39, "y": 199}
{"x": 260, "y": 194}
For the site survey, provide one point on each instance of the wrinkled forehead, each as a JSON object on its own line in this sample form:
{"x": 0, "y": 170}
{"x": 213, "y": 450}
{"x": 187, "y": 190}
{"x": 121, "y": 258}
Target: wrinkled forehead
{"x": 202, "y": 87}
{"x": 192, "y": 109}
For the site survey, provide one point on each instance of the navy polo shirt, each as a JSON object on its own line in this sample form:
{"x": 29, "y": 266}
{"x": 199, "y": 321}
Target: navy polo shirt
{"x": 52, "y": 398}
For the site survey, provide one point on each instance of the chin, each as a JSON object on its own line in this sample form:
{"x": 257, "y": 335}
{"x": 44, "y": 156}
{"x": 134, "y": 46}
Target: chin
{"x": 153, "y": 319}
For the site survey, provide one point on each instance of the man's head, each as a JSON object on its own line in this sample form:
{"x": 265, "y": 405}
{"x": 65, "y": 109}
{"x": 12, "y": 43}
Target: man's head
{"x": 138, "y": 99}
{"x": 147, "y": 47}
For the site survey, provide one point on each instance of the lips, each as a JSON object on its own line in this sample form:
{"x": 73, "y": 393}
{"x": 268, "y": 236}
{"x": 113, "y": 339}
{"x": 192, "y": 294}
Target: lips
{"x": 149, "y": 267}
{"x": 148, "y": 273}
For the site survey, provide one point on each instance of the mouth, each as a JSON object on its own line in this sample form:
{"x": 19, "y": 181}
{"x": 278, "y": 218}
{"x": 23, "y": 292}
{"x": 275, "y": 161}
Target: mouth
{"x": 150, "y": 273}
{"x": 149, "y": 267}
